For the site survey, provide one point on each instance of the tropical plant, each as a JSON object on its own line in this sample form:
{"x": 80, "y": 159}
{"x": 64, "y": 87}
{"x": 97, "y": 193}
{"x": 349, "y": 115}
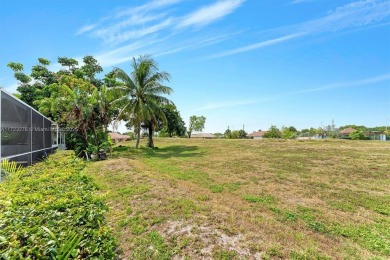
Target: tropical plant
{"x": 78, "y": 104}
{"x": 59, "y": 250}
{"x": 142, "y": 97}
{"x": 72, "y": 96}
{"x": 10, "y": 170}
{"x": 98, "y": 144}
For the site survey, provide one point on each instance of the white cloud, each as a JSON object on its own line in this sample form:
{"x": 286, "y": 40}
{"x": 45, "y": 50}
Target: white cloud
{"x": 138, "y": 30}
{"x": 136, "y": 19}
{"x": 131, "y": 23}
{"x": 125, "y": 53}
{"x": 258, "y": 45}
{"x": 209, "y": 14}
{"x": 111, "y": 35}
{"x": 136, "y": 22}
{"x": 351, "y": 16}
{"x": 346, "y": 84}
{"x": 196, "y": 44}
{"x": 153, "y": 5}
{"x": 86, "y": 28}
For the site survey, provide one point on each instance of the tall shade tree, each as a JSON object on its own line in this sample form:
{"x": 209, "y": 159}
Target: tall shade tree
{"x": 142, "y": 95}
{"x": 175, "y": 124}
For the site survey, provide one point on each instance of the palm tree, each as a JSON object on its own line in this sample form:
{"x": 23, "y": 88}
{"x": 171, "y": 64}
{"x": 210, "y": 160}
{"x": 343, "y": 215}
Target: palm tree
{"x": 142, "y": 98}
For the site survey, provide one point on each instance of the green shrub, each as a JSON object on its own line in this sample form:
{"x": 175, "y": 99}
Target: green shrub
{"x": 53, "y": 211}
{"x": 357, "y": 135}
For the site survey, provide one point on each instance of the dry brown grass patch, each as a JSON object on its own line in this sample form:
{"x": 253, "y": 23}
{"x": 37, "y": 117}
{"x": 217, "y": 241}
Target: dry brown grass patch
{"x": 249, "y": 199}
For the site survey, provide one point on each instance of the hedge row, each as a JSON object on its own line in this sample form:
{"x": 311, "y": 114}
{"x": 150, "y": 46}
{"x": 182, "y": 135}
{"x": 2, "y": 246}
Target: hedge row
{"x": 53, "y": 211}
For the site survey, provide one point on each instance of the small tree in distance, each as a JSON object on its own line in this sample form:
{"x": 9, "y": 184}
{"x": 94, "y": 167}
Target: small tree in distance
{"x": 241, "y": 134}
{"x": 273, "y": 132}
{"x": 228, "y": 134}
{"x": 289, "y": 132}
{"x": 196, "y": 124}
{"x": 357, "y": 135}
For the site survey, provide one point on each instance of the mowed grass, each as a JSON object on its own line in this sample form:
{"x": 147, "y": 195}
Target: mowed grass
{"x": 249, "y": 199}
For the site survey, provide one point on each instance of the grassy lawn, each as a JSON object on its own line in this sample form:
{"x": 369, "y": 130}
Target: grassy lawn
{"x": 246, "y": 199}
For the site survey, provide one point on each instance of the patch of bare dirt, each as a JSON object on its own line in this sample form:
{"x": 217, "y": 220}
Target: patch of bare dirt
{"x": 211, "y": 238}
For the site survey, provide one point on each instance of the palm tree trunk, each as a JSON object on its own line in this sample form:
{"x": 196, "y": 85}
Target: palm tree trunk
{"x": 150, "y": 136}
{"x": 138, "y": 135}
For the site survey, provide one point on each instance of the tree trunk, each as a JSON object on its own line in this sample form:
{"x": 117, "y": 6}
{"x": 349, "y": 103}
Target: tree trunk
{"x": 138, "y": 135}
{"x": 95, "y": 133}
{"x": 150, "y": 137}
{"x": 189, "y": 134}
{"x": 85, "y": 136}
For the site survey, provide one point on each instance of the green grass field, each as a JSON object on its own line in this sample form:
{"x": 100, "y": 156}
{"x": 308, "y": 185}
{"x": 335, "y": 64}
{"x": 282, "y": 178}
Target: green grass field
{"x": 249, "y": 199}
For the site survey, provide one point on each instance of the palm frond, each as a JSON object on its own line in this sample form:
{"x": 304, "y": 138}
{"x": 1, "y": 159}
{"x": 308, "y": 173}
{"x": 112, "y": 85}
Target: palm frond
{"x": 158, "y": 77}
{"x": 126, "y": 79}
{"x": 159, "y": 89}
{"x": 160, "y": 100}
{"x": 10, "y": 169}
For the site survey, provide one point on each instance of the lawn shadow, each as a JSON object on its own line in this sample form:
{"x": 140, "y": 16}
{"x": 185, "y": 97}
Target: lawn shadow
{"x": 175, "y": 151}
{"x": 165, "y": 152}
{"x": 120, "y": 148}
{"x": 125, "y": 151}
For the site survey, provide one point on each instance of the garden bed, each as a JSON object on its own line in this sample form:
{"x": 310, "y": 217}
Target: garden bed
{"x": 53, "y": 210}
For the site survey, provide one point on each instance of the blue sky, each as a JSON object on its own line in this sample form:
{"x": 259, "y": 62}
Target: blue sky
{"x": 253, "y": 63}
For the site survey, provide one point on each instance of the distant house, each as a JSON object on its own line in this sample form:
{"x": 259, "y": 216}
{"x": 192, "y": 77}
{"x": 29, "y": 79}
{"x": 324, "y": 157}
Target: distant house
{"x": 117, "y": 137}
{"x": 203, "y": 136}
{"x": 371, "y": 135}
{"x": 345, "y": 133}
{"x": 257, "y": 135}
{"x": 376, "y": 135}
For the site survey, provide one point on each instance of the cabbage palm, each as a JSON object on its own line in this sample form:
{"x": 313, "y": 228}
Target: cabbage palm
{"x": 141, "y": 95}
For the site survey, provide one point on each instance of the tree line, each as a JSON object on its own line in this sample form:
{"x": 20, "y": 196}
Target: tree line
{"x": 291, "y": 132}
